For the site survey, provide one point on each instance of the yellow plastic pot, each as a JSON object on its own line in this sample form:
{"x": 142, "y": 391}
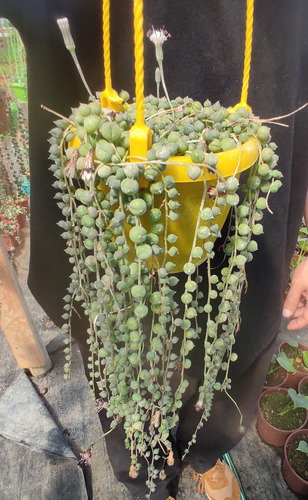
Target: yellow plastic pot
{"x": 230, "y": 163}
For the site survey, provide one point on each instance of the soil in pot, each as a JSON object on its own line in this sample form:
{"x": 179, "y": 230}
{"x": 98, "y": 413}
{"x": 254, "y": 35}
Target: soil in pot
{"x": 296, "y": 354}
{"x": 273, "y": 403}
{"x": 304, "y": 387}
{"x": 276, "y": 377}
{"x": 298, "y": 459}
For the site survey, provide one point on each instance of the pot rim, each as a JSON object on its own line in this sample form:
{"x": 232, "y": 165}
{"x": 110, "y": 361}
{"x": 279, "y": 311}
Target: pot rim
{"x": 302, "y": 381}
{"x": 296, "y": 372}
{"x": 278, "y": 386}
{"x": 231, "y": 162}
{"x": 285, "y": 447}
{"x": 283, "y": 390}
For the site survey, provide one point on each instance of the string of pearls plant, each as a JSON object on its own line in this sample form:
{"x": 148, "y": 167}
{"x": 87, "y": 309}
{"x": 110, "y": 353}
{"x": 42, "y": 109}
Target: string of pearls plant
{"x": 122, "y": 274}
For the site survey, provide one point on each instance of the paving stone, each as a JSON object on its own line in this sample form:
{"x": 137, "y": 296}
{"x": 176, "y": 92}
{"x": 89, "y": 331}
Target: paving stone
{"x": 25, "y": 419}
{"x": 28, "y": 475}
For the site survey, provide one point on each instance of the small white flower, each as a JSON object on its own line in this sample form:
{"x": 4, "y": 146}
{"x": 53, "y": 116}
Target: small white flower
{"x": 158, "y": 37}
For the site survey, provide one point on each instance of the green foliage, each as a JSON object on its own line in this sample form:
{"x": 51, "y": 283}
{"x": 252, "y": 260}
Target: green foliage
{"x": 303, "y": 447}
{"x": 297, "y": 401}
{"x": 122, "y": 249}
{"x": 285, "y": 362}
{"x": 13, "y": 69}
{"x": 301, "y": 251}
{"x": 273, "y": 365}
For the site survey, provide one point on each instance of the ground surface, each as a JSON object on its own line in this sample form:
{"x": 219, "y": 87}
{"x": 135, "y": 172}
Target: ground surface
{"x": 45, "y": 422}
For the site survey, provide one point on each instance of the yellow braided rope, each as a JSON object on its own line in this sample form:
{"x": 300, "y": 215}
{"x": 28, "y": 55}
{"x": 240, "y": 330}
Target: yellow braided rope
{"x": 139, "y": 71}
{"x": 106, "y": 43}
{"x": 248, "y": 44}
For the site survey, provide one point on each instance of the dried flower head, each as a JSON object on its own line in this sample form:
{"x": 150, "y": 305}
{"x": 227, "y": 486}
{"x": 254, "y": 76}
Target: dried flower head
{"x": 85, "y": 457}
{"x": 155, "y": 419}
{"x": 170, "y": 459}
{"x": 162, "y": 475}
{"x": 87, "y": 172}
{"x": 178, "y": 365}
{"x": 99, "y": 405}
{"x": 212, "y": 192}
{"x": 133, "y": 472}
{"x": 71, "y": 166}
{"x": 199, "y": 405}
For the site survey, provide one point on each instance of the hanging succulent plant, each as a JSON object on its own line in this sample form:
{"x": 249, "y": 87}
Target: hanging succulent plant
{"x": 122, "y": 221}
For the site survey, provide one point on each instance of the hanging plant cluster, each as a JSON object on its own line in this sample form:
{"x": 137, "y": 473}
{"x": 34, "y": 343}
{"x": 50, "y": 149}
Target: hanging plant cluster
{"x": 121, "y": 222}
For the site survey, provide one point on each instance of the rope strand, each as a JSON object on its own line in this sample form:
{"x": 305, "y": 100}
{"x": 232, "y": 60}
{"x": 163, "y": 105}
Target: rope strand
{"x": 248, "y": 44}
{"x": 139, "y": 62}
{"x": 106, "y": 43}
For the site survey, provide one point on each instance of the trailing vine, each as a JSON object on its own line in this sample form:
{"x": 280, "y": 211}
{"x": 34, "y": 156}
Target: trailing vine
{"x": 118, "y": 223}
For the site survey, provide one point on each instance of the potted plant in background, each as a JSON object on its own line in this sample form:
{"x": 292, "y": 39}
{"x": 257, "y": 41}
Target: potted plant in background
{"x": 276, "y": 375}
{"x": 281, "y": 411}
{"x": 293, "y": 357}
{"x": 295, "y": 465}
{"x": 14, "y": 155}
{"x": 300, "y": 252}
{"x": 303, "y": 386}
{"x": 13, "y": 68}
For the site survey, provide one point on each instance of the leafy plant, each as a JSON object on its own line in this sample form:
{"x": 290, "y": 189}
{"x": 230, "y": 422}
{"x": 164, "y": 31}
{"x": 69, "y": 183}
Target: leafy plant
{"x": 273, "y": 365}
{"x": 305, "y": 358}
{"x": 14, "y": 165}
{"x": 122, "y": 251}
{"x": 14, "y": 70}
{"x": 121, "y": 220}
{"x": 298, "y": 359}
{"x": 301, "y": 251}
{"x": 285, "y": 362}
{"x": 303, "y": 447}
{"x": 297, "y": 401}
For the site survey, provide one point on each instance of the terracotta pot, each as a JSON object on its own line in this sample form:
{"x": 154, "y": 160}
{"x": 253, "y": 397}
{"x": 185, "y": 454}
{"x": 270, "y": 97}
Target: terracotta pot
{"x": 277, "y": 386}
{"x": 22, "y": 218}
{"x": 303, "y": 381}
{"x": 10, "y": 241}
{"x": 268, "y": 433}
{"x": 293, "y": 480}
{"x": 293, "y": 379}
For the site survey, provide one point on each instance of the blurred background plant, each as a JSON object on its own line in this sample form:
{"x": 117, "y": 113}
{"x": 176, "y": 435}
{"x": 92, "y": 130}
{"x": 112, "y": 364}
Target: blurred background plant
{"x": 13, "y": 66}
{"x": 300, "y": 252}
{"x": 14, "y": 137}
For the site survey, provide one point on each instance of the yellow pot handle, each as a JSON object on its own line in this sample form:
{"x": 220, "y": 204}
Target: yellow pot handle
{"x": 109, "y": 98}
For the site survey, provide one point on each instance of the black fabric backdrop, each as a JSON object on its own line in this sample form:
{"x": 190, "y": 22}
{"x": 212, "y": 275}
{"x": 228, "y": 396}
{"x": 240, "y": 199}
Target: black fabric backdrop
{"x": 203, "y": 59}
